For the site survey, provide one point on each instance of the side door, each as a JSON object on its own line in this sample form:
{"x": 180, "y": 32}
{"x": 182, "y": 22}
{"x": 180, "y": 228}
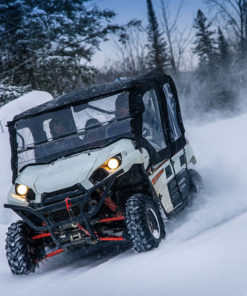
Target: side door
{"x": 155, "y": 141}
{"x": 176, "y": 135}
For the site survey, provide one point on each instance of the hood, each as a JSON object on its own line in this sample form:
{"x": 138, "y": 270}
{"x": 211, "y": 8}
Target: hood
{"x": 66, "y": 172}
{"x": 59, "y": 174}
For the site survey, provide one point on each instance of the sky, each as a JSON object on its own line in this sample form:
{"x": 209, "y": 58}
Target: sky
{"x": 129, "y": 9}
{"x": 136, "y": 9}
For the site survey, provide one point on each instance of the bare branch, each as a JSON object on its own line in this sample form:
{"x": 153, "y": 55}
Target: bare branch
{"x": 226, "y": 12}
{"x": 177, "y": 41}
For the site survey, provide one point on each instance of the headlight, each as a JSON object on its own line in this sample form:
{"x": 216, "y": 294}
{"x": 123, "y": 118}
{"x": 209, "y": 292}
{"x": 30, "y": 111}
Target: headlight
{"x": 21, "y": 189}
{"x": 113, "y": 163}
{"x": 106, "y": 169}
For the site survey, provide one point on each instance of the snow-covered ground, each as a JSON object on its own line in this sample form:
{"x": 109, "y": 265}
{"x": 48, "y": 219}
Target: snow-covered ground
{"x": 205, "y": 249}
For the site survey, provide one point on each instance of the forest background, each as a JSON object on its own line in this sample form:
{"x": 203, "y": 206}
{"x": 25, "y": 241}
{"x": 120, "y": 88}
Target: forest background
{"x": 52, "y": 45}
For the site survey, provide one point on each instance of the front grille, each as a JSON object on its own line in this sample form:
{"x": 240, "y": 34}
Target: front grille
{"x": 60, "y": 195}
{"x": 62, "y": 215}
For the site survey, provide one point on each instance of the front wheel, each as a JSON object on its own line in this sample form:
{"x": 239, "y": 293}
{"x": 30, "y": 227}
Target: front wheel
{"x": 22, "y": 253}
{"x": 144, "y": 223}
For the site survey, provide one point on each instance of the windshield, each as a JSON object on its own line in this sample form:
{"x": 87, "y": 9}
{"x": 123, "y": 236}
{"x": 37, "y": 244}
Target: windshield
{"x": 46, "y": 137}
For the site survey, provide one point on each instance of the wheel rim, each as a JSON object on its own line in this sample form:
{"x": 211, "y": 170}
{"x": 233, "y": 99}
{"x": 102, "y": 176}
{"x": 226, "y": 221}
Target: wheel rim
{"x": 153, "y": 223}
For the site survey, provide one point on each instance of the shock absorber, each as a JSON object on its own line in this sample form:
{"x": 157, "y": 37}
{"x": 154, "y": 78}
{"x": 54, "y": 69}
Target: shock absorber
{"x": 111, "y": 204}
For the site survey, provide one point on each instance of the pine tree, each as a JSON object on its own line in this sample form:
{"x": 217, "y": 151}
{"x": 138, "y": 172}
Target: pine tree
{"x": 50, "y": 44}
{"x": 157, "y": 52}
{"x": 205, "y": 42}
{"x": 226, "y": 85}
{"x": 216, "y": 89}
{"x": 245, "y": 28}
{"x": 212, "y": 92}
{"x": 224, "y": 55}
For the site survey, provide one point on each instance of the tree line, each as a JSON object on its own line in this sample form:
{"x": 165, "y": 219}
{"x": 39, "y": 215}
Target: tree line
{"x": 50, "y": 46}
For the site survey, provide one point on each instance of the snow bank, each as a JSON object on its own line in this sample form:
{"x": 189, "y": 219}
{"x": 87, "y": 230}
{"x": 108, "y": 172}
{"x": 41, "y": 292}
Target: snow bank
{"x": 7, "y": 112}
{"x": 27, "y": 101}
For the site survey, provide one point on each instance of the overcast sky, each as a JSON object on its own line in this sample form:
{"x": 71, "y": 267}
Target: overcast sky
{"x": 136, "y": 9}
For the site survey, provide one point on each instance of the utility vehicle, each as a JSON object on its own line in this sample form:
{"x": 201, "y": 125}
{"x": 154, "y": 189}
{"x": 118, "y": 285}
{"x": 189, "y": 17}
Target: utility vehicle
{"x": 104, "y": 163}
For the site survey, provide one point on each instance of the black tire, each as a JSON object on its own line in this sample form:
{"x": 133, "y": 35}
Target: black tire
{"x": 196, "y": 182}
{"x": 144, "y": 223}
{"x": 22, "y": 253}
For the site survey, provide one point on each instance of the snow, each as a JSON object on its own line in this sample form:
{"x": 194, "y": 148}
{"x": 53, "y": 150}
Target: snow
{"x": 205, "y": 249}
{"x": 37, "y": 12}
{"x": 27, "y": 101}
{"x": 7, "y": 112}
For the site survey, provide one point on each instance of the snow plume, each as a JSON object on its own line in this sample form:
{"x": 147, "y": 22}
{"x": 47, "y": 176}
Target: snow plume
{"x": 220, "y": 148}
{"x": 243, "y": 99}
{"x": 193, "y": 96}
{"x": 208, "y": 99}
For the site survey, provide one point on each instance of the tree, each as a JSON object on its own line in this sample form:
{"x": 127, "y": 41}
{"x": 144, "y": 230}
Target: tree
{"x": 177, "y": 41}
{"x": 157, "y": 51}
{"x": 9, "y": 93}
{"x": 49, "y": 44}
{"x": 130, "y": 50}
{"x": 130, "y": 54}
{"x": 234, "y": 15}
{"x": 214, "y": 91}
{"x": 205, "y": 42}
{"x": 224, "y": 54}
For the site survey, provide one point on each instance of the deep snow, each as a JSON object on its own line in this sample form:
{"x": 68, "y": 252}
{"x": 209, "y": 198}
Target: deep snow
{"x": 205, "y": 249}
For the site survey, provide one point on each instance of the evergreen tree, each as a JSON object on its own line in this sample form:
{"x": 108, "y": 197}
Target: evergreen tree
{"x": 245, "y": 28}
{"x": 213, "y": 93}
{"x": 49, "y": 44}
{"x": 215, "y": 88}
{"x": 157, "y": 52}
{"x": 224, "y": 55}
{"x": 226, "y": 83}
{"x": 9, "y": 93}
{"x": 205, "y": 42}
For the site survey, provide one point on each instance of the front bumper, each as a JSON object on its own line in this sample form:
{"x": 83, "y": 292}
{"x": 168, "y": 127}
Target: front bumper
{"x": 43, "y": 217}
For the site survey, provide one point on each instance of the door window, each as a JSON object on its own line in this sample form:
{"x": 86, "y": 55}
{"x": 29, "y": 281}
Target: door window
{"x": 24, "y": 139}
{"x": 175, "y": 131}
{"x": 152, "y": 126}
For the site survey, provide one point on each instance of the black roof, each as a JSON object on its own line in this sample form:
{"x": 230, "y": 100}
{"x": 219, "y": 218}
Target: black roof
{"x": 87, "y": 93}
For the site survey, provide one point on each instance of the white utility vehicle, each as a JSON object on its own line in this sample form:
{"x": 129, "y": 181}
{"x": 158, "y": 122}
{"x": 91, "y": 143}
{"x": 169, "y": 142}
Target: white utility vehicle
{"x": 104, "y": 163}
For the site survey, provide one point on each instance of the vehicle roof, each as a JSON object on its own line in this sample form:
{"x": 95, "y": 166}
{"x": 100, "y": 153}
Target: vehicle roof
{"x": 88, "y": 93}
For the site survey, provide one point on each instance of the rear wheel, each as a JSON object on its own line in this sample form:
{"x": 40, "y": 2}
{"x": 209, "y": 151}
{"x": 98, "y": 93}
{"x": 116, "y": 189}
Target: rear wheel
{"x": 144, "y": 223}
{"x": 22, "y": 253}
{"x": 196, "y": 182}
